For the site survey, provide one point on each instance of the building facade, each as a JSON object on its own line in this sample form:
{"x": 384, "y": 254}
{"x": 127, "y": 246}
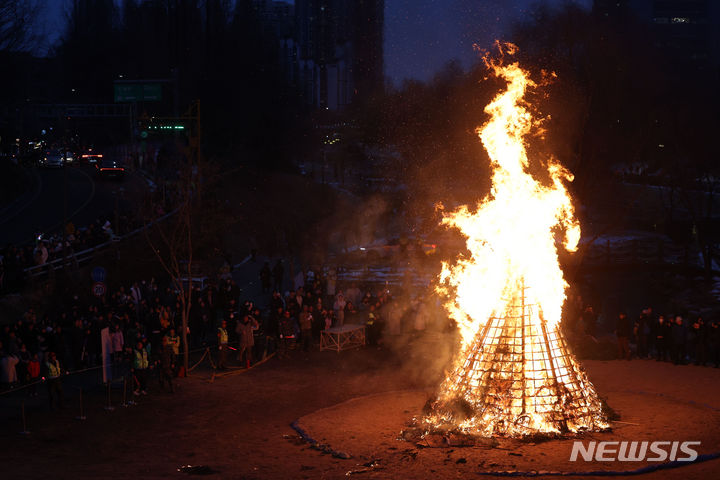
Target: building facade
{"x": 687, "y": 32}
{"x": 338, "y": 51}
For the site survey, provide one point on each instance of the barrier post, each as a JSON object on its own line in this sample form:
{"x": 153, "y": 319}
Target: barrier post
{"x": 108, "y": 407}
{"x": 126, "y": 403}
{"x": 82, "y": 413}
{"x": 24, "y": 423}
{"x": 124, "y": 400}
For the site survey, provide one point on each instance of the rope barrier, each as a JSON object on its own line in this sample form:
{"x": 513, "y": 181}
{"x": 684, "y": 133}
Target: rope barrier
{"x": 318, "y": 446}
{"x": 207, "y": 352}
{"x": 532, "y": 473}
{"x": 209, "y": 356}
{"x": 88, "y": 369}
{"x": 243, "y": 370}
{"x": 42, "y": 380}
{"x": 21, "y": 387}
{"x": 546, "y": 473}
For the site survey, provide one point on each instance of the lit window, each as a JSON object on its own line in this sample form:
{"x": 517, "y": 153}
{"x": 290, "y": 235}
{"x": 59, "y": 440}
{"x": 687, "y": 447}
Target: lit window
{"x": 680, "y": 20}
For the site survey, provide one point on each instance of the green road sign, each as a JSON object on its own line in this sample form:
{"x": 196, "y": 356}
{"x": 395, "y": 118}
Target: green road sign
{"x": 138, "y": 92}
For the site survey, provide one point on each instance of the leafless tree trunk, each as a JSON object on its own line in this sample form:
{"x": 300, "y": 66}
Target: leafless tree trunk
{"x": 173, "y": 248}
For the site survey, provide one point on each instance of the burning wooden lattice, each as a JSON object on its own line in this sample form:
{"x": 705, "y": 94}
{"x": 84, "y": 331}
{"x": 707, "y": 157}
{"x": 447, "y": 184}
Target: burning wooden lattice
{"x": 518, "y": 378}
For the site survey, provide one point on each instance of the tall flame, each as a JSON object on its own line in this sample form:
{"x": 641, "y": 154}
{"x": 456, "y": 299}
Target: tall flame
{"x": 512, "y": 235}
{"x": 514, "y": 370}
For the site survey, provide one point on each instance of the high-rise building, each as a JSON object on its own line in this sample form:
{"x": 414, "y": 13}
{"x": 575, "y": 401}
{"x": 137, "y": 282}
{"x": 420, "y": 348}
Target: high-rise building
{"x": 339, "y": 45}
{"x": 367, "y": 27}
{"x": 686, "y": 32}
{"x": 278, "y": 15}
{"x": 683, "y": 30}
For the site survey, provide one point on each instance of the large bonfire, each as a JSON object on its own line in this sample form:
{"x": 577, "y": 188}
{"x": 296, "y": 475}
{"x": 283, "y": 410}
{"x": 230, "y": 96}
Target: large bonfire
{"x": 514, "y": 374}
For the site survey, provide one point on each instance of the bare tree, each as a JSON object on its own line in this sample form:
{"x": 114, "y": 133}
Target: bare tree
{"x": 17, "y": 19}
{"x": 172, "y": 243}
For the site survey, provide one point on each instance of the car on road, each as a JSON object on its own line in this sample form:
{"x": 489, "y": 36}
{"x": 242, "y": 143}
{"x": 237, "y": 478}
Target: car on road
{"x": 91, "y": 156}
{"x": 52, "y": 158}
{"x": 69, "y": 157}
{"x": 107, "y": 167}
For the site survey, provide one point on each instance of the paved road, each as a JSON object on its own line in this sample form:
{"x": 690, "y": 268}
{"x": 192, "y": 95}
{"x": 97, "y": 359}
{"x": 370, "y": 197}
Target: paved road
{"x": 42, "y": 209}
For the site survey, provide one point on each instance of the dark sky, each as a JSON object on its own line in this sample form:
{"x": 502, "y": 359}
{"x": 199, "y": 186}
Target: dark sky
{"x": 420, "y": 35}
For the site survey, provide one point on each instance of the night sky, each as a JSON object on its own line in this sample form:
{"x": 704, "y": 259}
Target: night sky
{"x": 420, "y": 35}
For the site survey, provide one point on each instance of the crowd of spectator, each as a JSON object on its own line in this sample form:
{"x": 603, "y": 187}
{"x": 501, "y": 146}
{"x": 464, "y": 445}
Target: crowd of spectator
{"x": 144, "y": 328}
{"x": 14, "y": 259}
{"x": 296, "y": 317}
{"x": 668, "y": 337}
{"x": 144, "y": 322}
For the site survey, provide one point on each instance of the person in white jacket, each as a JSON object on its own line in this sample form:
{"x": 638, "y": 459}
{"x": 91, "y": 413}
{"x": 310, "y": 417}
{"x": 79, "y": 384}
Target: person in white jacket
{"x": 339, "y": 307}
{"x": 8, "y": 372}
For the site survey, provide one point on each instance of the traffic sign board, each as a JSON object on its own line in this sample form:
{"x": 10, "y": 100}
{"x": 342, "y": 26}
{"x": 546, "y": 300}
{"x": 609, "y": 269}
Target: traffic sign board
{"x": 98, "y": 289}
{"x": 98, "y": 274}
{"x": 138, "y": 92}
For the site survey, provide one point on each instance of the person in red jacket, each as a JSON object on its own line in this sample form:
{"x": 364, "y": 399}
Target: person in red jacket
{"x": 33, "y": 370}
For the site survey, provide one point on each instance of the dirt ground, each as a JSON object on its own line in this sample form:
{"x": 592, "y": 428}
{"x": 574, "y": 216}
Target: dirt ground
{"x": 357, "y": 402}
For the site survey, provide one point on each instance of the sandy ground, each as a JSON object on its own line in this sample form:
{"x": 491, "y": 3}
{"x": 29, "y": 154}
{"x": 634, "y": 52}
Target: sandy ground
{"x": 357, "y": 402}
{"x": 367, "y": 427}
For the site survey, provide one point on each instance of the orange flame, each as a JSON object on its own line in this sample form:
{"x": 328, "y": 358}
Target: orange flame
{"x": 511, "y": 236}
{"x": 514, "y": 367}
